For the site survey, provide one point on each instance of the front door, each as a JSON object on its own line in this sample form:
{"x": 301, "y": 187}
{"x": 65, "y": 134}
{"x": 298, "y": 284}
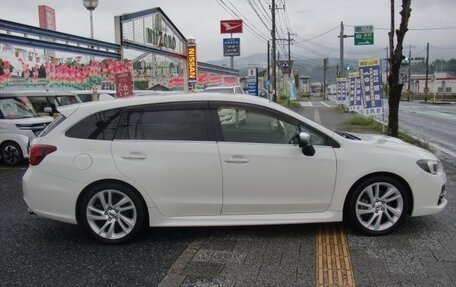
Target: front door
{"x": 264, "y": 171}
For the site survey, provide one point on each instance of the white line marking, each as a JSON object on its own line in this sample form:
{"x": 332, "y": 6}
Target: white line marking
{"x": 306, "y": 104}
{"x": 325, "y": 104}
{"x": 317, "y": 116}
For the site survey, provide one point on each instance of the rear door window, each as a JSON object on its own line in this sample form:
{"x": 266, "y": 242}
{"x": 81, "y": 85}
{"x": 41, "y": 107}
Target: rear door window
{"x": 172, "y": 124}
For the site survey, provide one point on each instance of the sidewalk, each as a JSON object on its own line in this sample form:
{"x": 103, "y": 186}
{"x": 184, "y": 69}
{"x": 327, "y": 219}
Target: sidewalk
{"x": 420, "y": 253}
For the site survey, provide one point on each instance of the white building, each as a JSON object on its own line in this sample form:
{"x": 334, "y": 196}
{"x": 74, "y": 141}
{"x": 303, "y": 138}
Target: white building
{"x": 440, "y": 83}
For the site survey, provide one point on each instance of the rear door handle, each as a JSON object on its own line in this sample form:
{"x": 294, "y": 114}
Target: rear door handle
{"x": 134, "y": 155}
{"x": 236, "y": 159}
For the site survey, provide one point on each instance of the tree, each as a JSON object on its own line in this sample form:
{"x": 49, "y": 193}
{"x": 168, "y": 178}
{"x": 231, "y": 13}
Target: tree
{"x": 395, "y": 59}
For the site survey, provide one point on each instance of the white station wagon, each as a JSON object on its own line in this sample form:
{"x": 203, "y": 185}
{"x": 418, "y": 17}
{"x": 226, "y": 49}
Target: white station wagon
{"x": 117, "y": 166}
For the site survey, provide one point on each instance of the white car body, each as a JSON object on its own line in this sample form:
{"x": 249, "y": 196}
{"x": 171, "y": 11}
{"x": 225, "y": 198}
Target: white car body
{"x": 208, "y": 183}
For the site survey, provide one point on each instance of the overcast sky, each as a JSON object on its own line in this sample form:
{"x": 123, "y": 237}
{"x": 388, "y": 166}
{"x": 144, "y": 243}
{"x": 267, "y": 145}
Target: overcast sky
{"x": 307, "y": 19}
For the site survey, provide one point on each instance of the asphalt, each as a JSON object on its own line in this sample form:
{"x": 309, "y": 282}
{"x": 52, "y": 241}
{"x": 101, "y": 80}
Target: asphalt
{"x": 40, "y": 252}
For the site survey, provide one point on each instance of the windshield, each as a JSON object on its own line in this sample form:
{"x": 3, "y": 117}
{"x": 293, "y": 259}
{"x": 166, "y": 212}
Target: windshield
{"x": 16, "y": 108}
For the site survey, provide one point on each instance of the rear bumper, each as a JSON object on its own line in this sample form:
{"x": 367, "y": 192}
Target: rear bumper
{"x": 45, "y": 197}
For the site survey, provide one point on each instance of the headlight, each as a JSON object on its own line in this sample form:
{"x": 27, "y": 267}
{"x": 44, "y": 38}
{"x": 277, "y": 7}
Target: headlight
{"x": 431, "y": 166}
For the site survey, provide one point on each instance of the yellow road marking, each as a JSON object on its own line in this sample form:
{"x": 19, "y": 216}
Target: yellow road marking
{"x": 333, "y": 257}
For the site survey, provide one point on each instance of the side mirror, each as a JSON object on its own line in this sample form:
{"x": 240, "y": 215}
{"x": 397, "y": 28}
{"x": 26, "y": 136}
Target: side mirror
{"x": 305, "y": 145}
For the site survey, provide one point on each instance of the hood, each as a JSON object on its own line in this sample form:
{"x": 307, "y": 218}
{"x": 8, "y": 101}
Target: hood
{"x": 394, "y": 144}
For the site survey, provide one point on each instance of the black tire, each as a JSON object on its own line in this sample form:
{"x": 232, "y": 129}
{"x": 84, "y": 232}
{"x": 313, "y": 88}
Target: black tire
{"x": 379, "y": 207}
{"x": 11, "y": 153}
{"x": 113, "y": 216}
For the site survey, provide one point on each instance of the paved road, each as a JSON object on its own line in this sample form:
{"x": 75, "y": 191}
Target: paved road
{"x": 433, "y": 123}
{"x": 40, "y": 252}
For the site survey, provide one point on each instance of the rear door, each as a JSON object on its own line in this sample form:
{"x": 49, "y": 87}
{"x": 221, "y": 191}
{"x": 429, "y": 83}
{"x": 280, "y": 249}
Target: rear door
{"x": 170, "y": 151}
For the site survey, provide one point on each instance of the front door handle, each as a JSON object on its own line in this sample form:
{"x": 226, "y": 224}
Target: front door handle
{"x": 236, "y": 159}
{"x": 134, "y": 155}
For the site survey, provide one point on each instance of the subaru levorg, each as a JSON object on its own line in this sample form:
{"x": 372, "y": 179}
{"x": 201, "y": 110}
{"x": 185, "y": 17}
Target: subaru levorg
{"x": 185, "y": 160}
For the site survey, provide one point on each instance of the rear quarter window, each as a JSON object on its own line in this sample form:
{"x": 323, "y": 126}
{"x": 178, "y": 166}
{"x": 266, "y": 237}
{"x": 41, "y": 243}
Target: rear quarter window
{"x": 99, "y": 126}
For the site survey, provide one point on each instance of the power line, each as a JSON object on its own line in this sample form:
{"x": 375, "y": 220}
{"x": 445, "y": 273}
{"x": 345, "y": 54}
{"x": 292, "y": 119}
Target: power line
{"x": 233, "y": 14}
{"x": 242, "y": 15}
{"x": 320, "y": 35}
{"x": 264, "y": 10}
{"x": 258, "y": 14}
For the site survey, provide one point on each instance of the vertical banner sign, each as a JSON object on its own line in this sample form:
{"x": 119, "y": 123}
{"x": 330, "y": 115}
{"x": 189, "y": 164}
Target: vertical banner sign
{"x": 46, "y": 17}
{"x": 124, "y": 85}
{"x": 371, "y": 85}
{"x": 355, "y": 91}
{"x": 252, "y": 81}
{"x": 191, "y": 63}
{"x": 341, "y": 90}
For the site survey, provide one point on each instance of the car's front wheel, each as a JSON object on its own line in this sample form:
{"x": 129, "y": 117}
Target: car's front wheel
{"x": 112, "y": 213}
{"x": 11, "y": 153}
{"x": 378, "y": 205}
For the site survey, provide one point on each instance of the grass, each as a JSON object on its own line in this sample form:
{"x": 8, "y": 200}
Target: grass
{"x": 372, "y": 125}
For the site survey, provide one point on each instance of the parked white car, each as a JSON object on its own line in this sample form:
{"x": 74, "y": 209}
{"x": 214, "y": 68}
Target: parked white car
{"x": 19, "y": 123}
{"x": 119, "y": 165}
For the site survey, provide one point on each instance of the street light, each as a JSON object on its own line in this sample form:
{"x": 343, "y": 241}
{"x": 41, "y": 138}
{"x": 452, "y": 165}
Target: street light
{"x": 90, "y": 5}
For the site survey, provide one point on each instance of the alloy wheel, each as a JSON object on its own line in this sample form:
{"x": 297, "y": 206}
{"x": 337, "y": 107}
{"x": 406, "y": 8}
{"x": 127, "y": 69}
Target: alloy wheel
{"x": 379, "y": 206}
{"x": 11, "y": 154}
{"x": 111, "y": 214}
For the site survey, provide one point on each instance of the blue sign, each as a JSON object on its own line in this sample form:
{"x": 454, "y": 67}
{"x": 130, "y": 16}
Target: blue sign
{"x": 231, "y": 47}
{"x": 371, "y": 84}
{"x": 252, "y": 81}
{"x": 355, "y": 92}
{"x": 341, "y": 90}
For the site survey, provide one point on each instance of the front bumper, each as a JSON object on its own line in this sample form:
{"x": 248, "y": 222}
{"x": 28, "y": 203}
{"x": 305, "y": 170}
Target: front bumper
{"x": 429, "y": 194}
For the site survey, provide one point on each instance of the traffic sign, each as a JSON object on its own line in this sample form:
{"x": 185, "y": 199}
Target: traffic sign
{"x": 364, "y": 35}
{"x": 231, "y": 47}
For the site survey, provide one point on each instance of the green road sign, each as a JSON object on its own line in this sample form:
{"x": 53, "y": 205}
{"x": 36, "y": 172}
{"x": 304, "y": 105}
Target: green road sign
{"x": 364, "y": 35}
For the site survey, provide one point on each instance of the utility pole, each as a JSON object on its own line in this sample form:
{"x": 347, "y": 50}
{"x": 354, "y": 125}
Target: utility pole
{"x": 426, "y": 89}
{"x": 269, "y": 69}
{"x": 341, "y": 36}
{"x": 289, "y": 54}
{"x": 409, "y": 79}
{"x": 325, "y": 69}
{"x": 274, "y": 64}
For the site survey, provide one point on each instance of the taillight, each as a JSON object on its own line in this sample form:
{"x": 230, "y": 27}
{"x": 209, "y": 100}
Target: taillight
{"x": 39, "y": 152}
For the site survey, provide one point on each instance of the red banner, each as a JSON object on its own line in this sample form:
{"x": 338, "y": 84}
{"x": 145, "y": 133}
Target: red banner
{"x": 46, "y": 17}
{"x": 230, "y": 26}
{"x": 124, "y": 85}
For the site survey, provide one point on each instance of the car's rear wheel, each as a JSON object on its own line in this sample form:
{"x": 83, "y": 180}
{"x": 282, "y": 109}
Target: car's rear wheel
{"x": 11, "y": 153}
{"x": 112, "y": 213}
{"x": 378, "y": 205}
